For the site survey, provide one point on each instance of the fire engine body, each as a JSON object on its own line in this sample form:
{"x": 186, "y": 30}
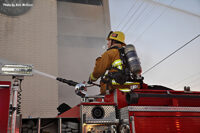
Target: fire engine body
{"x": 141, "y": 111}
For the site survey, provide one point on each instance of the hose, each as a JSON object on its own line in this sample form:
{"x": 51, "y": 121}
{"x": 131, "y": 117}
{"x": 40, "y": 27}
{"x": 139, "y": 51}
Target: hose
{"x": 73, "y": 83}
{"x": 69, "y": 82}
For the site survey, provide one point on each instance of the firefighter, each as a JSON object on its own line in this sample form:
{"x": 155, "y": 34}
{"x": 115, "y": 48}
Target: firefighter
{"x": 111, "y": 61}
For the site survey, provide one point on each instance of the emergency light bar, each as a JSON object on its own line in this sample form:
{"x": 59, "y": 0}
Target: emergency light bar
{"x": 16, "y": 70}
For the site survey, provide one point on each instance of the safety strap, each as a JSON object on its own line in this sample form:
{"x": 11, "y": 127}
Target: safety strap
{"x": 107, "y": 80}
{"x": 117, "y": 65}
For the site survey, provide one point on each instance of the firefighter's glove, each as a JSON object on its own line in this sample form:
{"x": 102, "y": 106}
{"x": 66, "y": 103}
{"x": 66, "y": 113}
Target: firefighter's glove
{"x": 91, "y": 79}
{"x": 89, "y": 82}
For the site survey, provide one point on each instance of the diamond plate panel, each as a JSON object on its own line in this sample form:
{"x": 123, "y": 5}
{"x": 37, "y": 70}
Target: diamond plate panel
{"x": 124, "y": 113}
{"x": 109, "y": 116}
{"x": 163, "y": 109}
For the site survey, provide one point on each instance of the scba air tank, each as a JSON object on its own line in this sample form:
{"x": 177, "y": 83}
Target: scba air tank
{"x": 132, "y": 60}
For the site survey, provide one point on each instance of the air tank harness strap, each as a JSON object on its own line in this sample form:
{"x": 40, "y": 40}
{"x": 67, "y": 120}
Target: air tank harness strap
{"x": 121, "y": 53}
{"x": 118, "y": 77}
{"x": 107, "y": 80}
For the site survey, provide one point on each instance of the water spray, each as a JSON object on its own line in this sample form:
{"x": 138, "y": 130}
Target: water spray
{"x": 25, "y": 70}
{"x": 44, "y": 74}
{"x": 34, "y": 71}
{"x": 80, "y": 88}
{"x": 69, "y": 82}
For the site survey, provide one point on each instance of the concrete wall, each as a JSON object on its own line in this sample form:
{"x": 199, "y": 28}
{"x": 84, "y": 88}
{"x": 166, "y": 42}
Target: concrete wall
{"x": 32, "y": 39}
{"x": 64, "y": 41}
{"x": 82, "y": 30}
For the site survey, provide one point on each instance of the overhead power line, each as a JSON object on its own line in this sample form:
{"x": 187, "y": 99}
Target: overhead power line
{"x": 138, "y": 18}
{"x": 171, "y": 54}
{"x": 191, "y": 82}
{"x": 132, "y": 15}
{"x": 153, "y": 22}
{"x": 173, "y": 8}
{"x": 186, "y": 78}
{"x": 122, "y": 20}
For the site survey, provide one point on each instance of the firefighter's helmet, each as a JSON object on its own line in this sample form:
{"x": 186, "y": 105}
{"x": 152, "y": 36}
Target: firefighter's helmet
{"x": 116, "y": 35}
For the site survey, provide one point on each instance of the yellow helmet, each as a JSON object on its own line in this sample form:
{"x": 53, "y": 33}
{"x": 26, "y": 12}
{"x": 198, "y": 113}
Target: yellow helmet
{"x": 116, "y": 35}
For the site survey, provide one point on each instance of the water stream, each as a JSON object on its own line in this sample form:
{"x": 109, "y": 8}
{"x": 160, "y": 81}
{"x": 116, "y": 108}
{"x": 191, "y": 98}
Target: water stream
{"x": 2, "y": 61}
{"x": 44, "y": 74}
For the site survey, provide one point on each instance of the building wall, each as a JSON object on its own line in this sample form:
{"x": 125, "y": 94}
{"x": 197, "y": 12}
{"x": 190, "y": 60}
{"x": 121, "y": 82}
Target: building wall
{"x": 32, "y": 39}
{"x": 59, "y": 38}
{"x": 82, "y": 30}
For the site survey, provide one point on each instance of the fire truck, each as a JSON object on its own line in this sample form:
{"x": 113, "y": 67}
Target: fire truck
{"x": 150, "y": 109}
{"x": 139, "y": 109}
